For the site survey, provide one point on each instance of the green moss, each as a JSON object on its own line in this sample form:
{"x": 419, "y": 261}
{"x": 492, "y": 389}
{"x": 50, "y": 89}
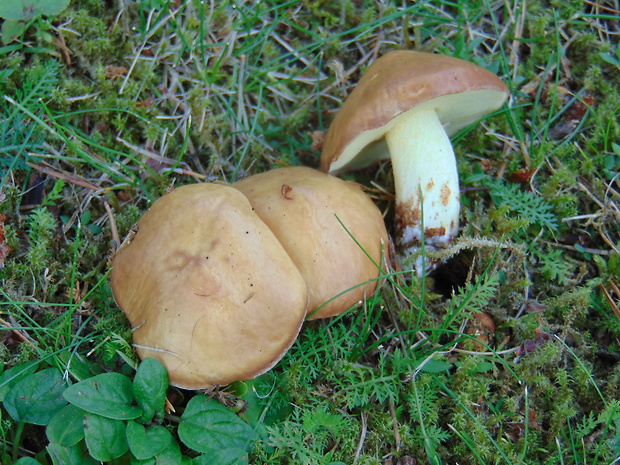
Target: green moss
{"x": 42, "y": 240}
{"x": 26, "y": 353}
{"x": 572, "y": 306}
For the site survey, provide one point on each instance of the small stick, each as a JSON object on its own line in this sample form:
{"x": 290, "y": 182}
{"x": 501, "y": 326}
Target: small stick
{"x": 113, "y": 228}
{"x": 610, "y": 299}
{"x": 360, "y": 444}
{"x": 17, "y": 333}
{"x": 65, "y": 176}
{"x": 394, "y": 424}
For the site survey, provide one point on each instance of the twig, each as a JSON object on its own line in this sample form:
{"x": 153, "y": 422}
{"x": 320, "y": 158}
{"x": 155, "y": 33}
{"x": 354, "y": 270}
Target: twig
{"x": 394, "y": 425}
{"x": 113, "y": 228}
{"x": 18, "y": 334}
{"x": 580, "y": 249}
{"x": 65, "y": 176}
{"x": 610, "y": 299}
{"x": 602, "y": 7}
{"x": 360, "y": 444}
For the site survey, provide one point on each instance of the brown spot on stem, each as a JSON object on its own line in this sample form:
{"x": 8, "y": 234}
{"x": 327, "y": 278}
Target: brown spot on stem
{"x": 429, "y": 233}
{"x": 445, "y": 195}
{"x": 406, "y": 215}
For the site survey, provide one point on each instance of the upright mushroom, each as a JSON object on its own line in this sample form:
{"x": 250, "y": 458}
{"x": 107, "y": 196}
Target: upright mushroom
{"x": 207, "y": 288}
{"x": 333, "y": 232}
{"x": 413, "y": 102}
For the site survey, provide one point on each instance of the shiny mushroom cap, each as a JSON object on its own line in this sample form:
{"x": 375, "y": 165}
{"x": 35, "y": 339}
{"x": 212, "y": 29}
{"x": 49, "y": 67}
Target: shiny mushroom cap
{"x": 405, "y": 107}
{"x": 208, "y": 289}
{"x": 333, "y": 232}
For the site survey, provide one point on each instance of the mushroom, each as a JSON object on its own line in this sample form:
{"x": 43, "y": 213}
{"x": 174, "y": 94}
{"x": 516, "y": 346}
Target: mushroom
{"x": 331, "y": 229}
{"x": 207, "y": 287}
{"x": 405, "y": 107}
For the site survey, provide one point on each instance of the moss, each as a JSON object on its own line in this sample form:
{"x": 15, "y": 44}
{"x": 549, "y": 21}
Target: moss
{"x": 561, "y": 402}
{"x": 26, "y": 353}
{"x": 570, "y": 302}
{"x": 611, "y": 388}
{"x": 43, "y": 245}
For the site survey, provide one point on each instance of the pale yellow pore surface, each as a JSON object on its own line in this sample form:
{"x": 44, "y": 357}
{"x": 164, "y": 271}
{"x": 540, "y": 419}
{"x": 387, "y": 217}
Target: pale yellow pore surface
{"x": 455, "y": 112}
{"x": 302, "y": 207}
{"x": 208, "y": 289}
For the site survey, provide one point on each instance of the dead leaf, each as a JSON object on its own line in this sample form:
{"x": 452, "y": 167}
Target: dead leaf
{"x": 4, "y": 248}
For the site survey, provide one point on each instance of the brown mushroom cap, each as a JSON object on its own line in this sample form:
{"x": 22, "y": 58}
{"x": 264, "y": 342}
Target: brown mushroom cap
{"x": 459, "y": 91}
{"x": 208, "y": 289}
{"x": 302, "y": 207}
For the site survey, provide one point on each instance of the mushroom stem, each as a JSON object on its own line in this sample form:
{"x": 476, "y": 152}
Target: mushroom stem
{"x": 423, "y": 162}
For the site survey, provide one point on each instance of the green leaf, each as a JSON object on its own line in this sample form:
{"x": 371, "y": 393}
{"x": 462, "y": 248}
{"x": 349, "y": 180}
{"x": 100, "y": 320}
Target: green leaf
{"x": 169, "y": 456}
{"x": 12, "y": 376}
{"x": 66, "y": 427}
{"x": 145, "y": 443}
{"x": 612, "y": 60}
{"x": 482, "y": 367}
{"x": 26, "y": 461}
{"x": 221, "y": 459}
{"x": 36, "y": 398}
{"x": 74, "y": 455}
{"x": 78, "y": 366}
{"x": 11, "y": 30}
{"x": 12, "y": 11}
{"x": 105, "y": 438}
{"x": 436, "y": 366}
{"x": 10, "y": 48}
{"x": 50, "y": 7}
{"x": 23, "y": 10}
{"x": 208, "y": 427}
{"x": 525, "y": 205}
{"x": 149, "y": 388}
{"x": 85, "y": 218}
{"x": 109, "y": 395}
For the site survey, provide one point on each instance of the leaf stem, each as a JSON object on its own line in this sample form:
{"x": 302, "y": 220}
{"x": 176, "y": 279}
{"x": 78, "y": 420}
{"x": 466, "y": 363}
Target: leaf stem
{"x": 17, "y": 439}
